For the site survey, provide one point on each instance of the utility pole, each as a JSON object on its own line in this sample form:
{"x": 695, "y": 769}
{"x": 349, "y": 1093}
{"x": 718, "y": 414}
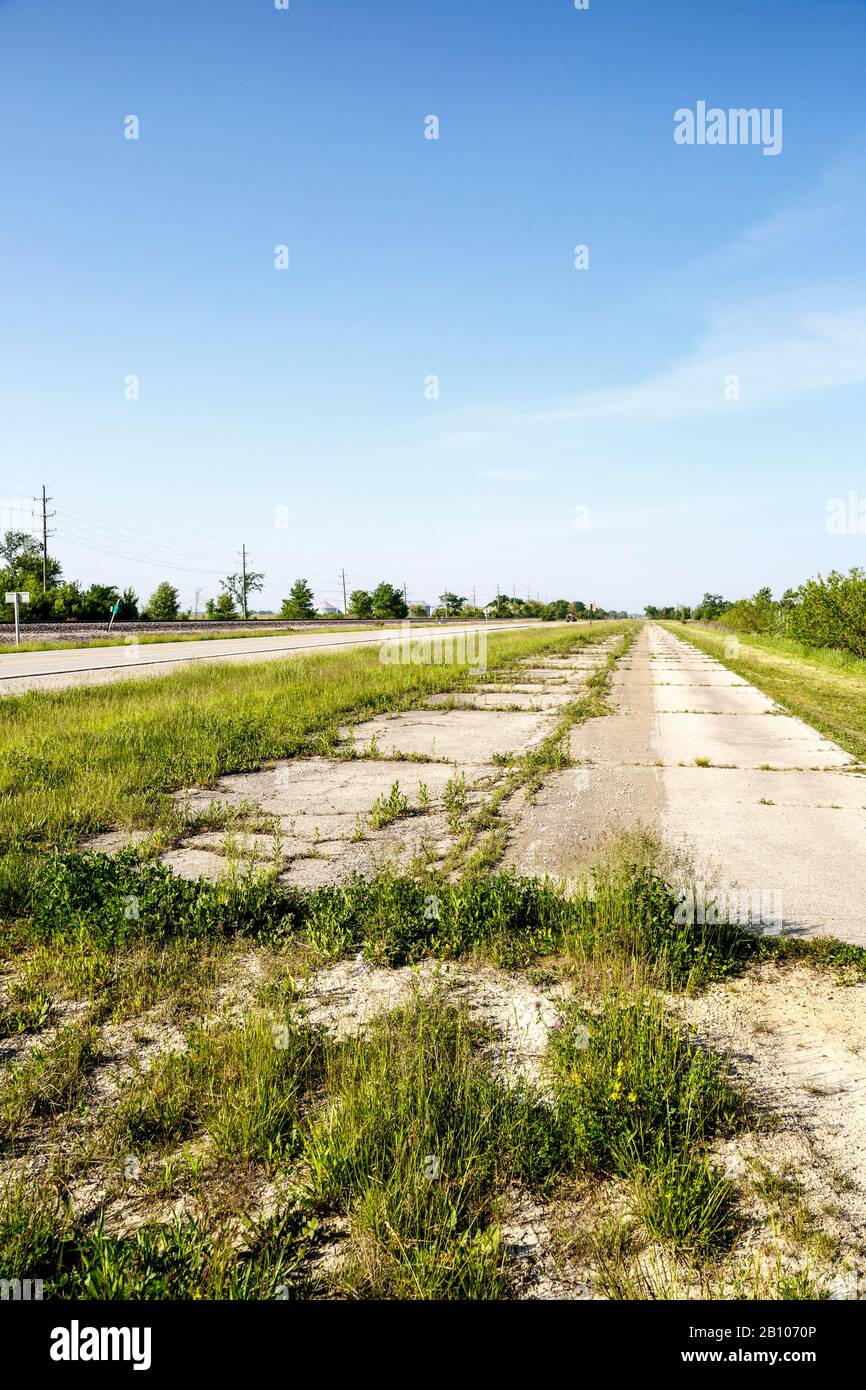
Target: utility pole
{"x": 345, "y": 604}
{"x": 244, "y": 580}
{"x": 45, "y": 515}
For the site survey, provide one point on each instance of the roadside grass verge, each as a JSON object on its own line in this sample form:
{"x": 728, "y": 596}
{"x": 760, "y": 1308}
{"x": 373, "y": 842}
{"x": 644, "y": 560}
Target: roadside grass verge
{"x": 75, "y": 762}
{"x": 825, "y": 688}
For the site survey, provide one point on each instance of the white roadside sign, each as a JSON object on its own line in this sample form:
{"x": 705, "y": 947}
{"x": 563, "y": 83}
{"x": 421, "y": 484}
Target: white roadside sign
{"x": 16, "y": 597}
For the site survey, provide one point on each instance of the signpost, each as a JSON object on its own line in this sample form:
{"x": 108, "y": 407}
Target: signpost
{"x": 16, "y": 597}
{"x": 113, "y": 614}
{"x": 591, "y": 611}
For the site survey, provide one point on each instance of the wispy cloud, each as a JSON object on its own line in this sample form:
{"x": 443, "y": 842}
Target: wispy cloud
{"x": 746, "y": 361}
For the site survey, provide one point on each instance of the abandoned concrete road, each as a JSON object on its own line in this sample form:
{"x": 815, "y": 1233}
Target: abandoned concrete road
{"x": 770, "y": 812}
{"x": 71, "y": 666}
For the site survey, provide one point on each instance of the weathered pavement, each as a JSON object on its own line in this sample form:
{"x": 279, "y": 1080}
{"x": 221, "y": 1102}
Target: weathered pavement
{"x": 769, "y": 810}
{"x": 400, "y": 788}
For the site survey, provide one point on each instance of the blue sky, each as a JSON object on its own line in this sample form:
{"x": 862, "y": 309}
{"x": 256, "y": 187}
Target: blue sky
{"x": 559, "y": 389}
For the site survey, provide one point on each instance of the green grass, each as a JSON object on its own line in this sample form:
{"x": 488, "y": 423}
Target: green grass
{"x": 684, "y": 1201}
{"x": 639, "y": 1090}
{"x": 183, "y": 1259}
{"x": 49, "y": 1082}
{"x": 243, "y": 1086}
{"x": 825, "y": 688}
{"x": 416, "y": 1143}
{"x": 28, "y": 1009}
{"x": 626, "y": 910}
{"x": 642, "y": 1100}
{"x": 117, "y": 982}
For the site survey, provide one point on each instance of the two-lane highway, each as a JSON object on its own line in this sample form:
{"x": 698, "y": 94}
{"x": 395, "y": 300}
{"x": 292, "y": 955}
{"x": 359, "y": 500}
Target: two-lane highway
{"x": 70, "y": 666}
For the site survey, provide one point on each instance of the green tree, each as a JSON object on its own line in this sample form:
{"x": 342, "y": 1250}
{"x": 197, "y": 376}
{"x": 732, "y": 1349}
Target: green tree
{"x": 557, "y": 611}
{"x": 21, "y": 569}
{"x": 500, "y": 607}
{"x": 98, "y": 601}
{"x": 128, "y": 610}
{"x": 300, "y": 604}
{"x": 452, "y": 604}
{"x": 388, "y": 602}
{"x": 361, "y": 603}
{"x": 67, "y": 601}
{"x": 163, "y": 605}
{"x": 711, "y": 607}
{"x": 222, "y": 607}
{"x": 240, "y": 586}
{"x": 831, "y": 612}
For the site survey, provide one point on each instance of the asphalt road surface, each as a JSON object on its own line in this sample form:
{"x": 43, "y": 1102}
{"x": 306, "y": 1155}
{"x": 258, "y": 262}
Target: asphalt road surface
{"x": 57, "y": 670}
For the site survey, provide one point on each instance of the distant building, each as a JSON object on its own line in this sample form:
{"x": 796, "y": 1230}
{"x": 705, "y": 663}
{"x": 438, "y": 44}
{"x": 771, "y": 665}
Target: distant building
{"x": 327, "y": 610}
{"x": 417, "y": 604}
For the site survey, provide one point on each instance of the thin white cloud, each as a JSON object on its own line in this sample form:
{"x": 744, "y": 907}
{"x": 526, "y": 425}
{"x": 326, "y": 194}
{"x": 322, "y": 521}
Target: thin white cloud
{"x": 739, "y": 364}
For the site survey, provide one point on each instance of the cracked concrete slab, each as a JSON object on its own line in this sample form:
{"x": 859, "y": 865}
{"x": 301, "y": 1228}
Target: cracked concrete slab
{"x": 321, "y": 809}
{"x": 713, "y": 699}
{"x": 470, "y": 737}
{"x": 615, "y": 788}
{"x": 808, "y": 844}
{"x": 505, "y": 699}
{"x": 746, "y": 740}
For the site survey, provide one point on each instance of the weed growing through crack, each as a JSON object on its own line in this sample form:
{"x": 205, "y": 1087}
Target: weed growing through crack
{"x": 388, "y": 808}
{"x": 456, "y": 799}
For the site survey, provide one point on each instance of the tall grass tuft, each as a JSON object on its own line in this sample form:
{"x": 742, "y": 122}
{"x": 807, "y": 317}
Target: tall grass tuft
{"x": 415, "y": 1143}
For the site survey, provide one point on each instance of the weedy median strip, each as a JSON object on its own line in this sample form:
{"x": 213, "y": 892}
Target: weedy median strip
{"x": 75, "y": 762}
